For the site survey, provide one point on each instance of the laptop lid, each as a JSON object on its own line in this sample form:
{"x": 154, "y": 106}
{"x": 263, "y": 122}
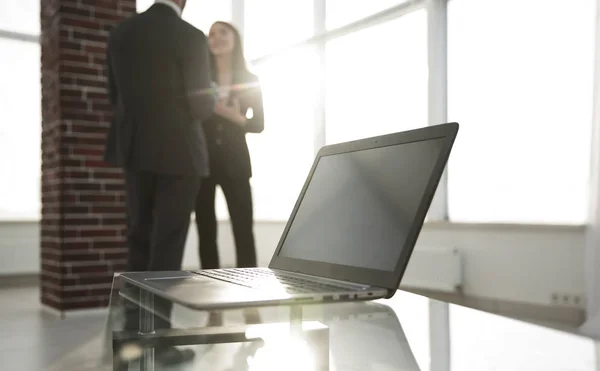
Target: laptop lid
{"x": 362, "y": 207}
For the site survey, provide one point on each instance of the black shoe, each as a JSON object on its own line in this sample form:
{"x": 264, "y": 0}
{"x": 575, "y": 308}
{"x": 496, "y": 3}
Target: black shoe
{"x": 172, "y": 356}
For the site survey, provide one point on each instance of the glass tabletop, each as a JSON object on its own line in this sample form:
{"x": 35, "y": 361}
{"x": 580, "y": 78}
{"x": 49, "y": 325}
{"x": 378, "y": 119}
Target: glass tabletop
{"x": 406, "y": 332}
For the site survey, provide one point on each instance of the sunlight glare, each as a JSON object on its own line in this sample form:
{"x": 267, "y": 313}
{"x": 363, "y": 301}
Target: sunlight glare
{"x": 283, "y": 354}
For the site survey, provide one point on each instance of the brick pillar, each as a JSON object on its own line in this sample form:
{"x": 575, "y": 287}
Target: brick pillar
{"x": 83, "y": 216}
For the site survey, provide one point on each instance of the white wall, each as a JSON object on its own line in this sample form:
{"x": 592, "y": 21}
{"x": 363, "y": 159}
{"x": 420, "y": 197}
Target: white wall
{"x": 19, "y": 248}
{"x": 516, "y": 263}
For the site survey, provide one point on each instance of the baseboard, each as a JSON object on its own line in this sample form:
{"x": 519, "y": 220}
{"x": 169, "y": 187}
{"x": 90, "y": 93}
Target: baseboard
{"x": 72, "y": 313}
{"x": 19, "y": 280}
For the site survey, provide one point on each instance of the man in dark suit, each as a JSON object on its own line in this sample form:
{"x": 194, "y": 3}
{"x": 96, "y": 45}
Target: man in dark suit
{"x": 160, "y": 90}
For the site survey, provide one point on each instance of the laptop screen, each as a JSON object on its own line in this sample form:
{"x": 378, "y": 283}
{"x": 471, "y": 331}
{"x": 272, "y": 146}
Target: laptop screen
{"x": 359, "y": 206}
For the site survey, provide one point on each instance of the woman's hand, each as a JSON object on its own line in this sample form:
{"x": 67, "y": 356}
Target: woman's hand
{"x": 230, "y": 109}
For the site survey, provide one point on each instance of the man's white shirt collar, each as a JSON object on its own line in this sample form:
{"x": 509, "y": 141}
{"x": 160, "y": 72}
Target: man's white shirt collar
{"x": 171, "y": 4}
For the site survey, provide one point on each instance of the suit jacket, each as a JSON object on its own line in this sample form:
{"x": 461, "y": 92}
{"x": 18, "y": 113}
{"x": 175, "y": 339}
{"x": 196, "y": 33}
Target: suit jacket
{"x": 160, "y": 90}
{"x": 228, "y": 151}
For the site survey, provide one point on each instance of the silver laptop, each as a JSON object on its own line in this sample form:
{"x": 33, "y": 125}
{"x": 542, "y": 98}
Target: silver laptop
{"x": 350, "y": 234}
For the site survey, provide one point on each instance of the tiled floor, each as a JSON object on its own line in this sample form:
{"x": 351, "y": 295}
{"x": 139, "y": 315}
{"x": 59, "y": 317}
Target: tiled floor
{"x": 32, "y": 338}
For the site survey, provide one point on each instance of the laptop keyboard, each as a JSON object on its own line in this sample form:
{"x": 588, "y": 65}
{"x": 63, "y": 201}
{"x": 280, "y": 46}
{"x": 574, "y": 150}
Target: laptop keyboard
{"x": 267, "y": 279}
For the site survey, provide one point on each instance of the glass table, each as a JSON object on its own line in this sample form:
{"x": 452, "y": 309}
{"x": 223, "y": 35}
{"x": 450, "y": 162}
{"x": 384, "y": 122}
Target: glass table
{"x": 407, "y": 332}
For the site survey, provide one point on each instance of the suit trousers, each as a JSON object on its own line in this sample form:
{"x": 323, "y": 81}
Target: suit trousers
{"x": 158, "y": 217}
{"x": 238, "y": 195}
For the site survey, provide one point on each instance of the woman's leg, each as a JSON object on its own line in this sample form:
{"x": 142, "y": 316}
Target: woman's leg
{"x": 206, "y": 222}
{"x": 239, "y": 202}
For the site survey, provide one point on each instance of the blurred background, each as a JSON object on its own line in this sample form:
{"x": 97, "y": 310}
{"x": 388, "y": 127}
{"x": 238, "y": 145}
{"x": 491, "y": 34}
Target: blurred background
{"x": 513, "y": 228}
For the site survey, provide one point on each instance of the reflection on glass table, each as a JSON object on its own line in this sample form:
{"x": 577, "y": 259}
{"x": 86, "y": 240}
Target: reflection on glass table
{"x": 392, "y": 334}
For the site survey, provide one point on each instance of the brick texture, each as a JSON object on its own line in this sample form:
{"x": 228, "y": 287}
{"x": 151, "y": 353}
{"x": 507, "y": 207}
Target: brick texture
{"x": 83, "y": 215}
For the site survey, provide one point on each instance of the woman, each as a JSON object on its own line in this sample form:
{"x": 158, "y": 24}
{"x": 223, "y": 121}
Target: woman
{"x": 238, "y": 111}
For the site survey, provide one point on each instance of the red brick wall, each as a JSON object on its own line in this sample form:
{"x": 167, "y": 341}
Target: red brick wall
{"x": 83, "y": 216}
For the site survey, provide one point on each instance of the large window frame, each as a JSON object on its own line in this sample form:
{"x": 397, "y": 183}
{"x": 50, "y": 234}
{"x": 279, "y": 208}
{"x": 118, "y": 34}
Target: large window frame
{"x": 437, "y": 46}
{"x": 437, "y": 92}
{"x": 25, "y": 38}
{"x": 437, "y": 58}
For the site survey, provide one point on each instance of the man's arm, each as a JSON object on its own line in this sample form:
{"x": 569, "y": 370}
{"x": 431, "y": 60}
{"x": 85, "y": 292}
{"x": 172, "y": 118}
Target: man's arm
{"x": 196, "y": 78}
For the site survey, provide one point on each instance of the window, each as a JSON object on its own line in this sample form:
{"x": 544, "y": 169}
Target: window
{"x": 283, "y": 153}
{"x": 20, "y": 112}
{"x": 201, "y": 14}
{"x": 271, "y": 24}
{"x": 20, "y": 130}
{"x": 520, "y": 84}
{"x": 143, "y": 5}
{"x": 377, "y": 80}
{"x": 342, "y": 12}
{"x": 22, "y": 16}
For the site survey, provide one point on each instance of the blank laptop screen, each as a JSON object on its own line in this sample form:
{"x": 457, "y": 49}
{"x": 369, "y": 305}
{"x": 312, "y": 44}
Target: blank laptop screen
{"x": 359, "y": 206}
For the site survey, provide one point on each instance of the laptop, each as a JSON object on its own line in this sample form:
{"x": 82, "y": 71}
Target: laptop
{"x": 349, "y": 237}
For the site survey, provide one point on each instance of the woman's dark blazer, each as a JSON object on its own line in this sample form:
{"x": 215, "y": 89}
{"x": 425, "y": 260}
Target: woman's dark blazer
{"x": 227, "y": 147}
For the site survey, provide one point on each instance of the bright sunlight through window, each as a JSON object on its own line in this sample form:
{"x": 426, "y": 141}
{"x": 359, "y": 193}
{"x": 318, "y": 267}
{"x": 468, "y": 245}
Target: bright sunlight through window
{"x": 520, "y": 83}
